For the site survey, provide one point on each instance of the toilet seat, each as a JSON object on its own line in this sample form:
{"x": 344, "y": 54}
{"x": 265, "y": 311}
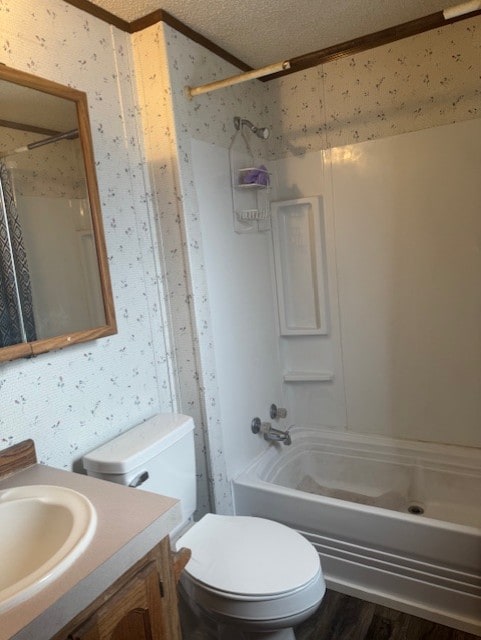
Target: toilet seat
{"x": 279, "y": 612}
{"x": 249, "y": 557}
{"x": 252, "y": 571}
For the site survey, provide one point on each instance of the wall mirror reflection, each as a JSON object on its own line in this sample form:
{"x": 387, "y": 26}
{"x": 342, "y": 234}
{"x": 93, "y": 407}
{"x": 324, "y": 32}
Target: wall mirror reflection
{"x": 54, "y": 281}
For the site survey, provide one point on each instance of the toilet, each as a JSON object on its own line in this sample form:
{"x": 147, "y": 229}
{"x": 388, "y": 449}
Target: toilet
{"x": 249, "y": 577}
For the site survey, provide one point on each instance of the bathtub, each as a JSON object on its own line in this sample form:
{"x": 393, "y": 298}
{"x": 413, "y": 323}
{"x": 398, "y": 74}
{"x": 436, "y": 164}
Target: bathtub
{"x": 395, "y": 522}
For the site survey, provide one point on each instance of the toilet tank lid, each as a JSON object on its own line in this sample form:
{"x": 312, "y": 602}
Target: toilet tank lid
{"x": 139, "y": 444}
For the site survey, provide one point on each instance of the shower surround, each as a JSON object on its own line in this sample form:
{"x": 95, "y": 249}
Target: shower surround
{"x": 418, "y": 83}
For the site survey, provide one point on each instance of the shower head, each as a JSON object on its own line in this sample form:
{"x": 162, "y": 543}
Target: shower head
{"x": 260, "y": 132}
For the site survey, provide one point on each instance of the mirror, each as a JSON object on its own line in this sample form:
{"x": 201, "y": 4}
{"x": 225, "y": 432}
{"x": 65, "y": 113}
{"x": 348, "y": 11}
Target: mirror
{"x": 54, "y": 282}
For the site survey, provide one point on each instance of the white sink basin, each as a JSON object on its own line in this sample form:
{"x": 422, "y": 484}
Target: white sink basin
{"x": 43, "y": 530}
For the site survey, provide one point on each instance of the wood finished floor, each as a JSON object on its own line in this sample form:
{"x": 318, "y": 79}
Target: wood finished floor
{"x": 341, "y": 617}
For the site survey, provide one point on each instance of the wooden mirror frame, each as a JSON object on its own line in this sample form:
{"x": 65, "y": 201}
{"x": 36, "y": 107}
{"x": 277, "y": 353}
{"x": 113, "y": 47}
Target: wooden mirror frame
{"x": 28, "y": 349}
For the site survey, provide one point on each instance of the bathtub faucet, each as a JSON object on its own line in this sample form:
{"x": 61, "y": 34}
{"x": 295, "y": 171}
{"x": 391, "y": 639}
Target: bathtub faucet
{"x": 271, "y": 434}
{"x": 277, "y": 435}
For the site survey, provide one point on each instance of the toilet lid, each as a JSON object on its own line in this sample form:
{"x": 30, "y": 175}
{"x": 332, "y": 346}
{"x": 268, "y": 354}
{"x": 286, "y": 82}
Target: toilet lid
{"x": 244, "y": 555}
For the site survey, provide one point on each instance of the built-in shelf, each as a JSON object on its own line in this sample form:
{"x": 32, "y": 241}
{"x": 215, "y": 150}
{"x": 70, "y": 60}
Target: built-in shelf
{"x": 308, "y": 376}
{"x": 299, "y": 260}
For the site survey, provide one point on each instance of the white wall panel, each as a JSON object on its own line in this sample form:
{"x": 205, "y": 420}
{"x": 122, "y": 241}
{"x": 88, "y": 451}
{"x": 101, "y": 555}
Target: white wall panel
{"x": 408, "y": 241}
{"x": 237, "y": 268}
{"x": 313, "y": 403}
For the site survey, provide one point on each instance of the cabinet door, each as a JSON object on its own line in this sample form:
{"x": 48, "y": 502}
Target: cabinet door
{"x": 133, "y": 613}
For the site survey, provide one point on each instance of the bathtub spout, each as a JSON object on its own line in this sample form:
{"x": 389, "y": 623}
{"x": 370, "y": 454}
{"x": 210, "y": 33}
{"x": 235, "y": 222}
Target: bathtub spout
{"x": 276, "y": 435}
{"x": 269, "y": 432}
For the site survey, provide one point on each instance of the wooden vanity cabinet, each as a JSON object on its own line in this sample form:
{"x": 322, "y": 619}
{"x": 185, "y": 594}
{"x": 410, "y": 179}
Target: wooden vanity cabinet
{"x": 133, "y": 612}
{"x": 140, "y": 605}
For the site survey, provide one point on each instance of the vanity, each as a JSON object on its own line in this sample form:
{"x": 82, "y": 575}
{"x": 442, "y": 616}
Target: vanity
{"x": 123, "y": 584}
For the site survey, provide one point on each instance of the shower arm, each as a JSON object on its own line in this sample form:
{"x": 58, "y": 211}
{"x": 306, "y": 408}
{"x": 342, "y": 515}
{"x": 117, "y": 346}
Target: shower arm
{"x": 260, "y": 132}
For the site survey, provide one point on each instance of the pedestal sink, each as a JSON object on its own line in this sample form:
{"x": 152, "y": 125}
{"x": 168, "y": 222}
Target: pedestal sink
{"x": 43, "y": 530}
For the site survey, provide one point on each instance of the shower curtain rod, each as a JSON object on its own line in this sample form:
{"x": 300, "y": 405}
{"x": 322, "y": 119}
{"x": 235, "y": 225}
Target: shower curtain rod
{"x": 68, "y": 135}
{"x": 313, "y": 59}
{"x": 241, "y": 77}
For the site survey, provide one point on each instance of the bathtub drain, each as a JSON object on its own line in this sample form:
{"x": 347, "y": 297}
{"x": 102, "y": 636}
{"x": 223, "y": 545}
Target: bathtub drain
{"x": 416, "y": 509}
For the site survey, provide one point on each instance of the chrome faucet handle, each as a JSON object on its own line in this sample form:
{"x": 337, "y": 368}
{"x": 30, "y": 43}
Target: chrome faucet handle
{"x": 256, "y": 425}
{"x": 260, "y": 427}
{"x": 266, "y": 427}
{"x": 277, "y": 413}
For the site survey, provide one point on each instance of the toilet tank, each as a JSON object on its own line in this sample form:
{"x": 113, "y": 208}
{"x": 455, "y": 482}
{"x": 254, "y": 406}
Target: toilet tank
{"x": 156, "y": 455}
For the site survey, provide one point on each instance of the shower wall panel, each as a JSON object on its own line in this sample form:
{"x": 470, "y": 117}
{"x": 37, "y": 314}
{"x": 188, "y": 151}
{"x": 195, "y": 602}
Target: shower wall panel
{"x": 407, "y": 233}
{"x": 402, "y": 230}
{"x": 311, "y": 403}
{"x": 237, "y": 270}
{"x": 420, "y": 83}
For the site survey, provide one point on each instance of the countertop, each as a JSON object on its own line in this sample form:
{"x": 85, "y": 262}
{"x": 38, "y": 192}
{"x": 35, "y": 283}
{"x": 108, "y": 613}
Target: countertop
{"x": 130, "y": 522}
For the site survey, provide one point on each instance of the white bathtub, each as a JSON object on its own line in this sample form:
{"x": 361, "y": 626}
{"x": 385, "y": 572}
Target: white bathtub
{"x": 370, "y": 545}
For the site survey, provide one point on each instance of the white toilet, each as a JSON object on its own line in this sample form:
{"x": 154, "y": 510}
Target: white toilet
{"x": 254, "y": 578}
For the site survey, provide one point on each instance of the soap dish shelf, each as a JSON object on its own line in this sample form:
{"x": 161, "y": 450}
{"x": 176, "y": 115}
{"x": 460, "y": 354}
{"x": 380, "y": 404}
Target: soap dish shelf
{"x": 243, "y": 173}
{"x": 308, "y": 376}
{"x": 252, "y": 215}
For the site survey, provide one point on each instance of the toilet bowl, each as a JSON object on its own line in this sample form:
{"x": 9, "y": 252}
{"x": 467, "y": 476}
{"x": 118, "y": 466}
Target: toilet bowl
{"x": 254, "y": 578}
{"x": 250, "y": 577}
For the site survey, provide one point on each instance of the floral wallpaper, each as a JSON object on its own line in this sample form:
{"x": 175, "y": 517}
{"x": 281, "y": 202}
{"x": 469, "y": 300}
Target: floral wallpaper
{"x": 70, "y": 401}
{"x": 54, "y": 170}
{"x": 160, "y": 152}
{"x": 424, "y": 81}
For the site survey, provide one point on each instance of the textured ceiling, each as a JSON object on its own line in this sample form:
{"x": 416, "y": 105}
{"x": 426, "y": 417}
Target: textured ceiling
{"x": 260, "y": 32}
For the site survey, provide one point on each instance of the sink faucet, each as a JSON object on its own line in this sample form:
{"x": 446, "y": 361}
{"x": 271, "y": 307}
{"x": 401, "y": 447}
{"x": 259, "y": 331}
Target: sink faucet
{"x": 271, "y": 434}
